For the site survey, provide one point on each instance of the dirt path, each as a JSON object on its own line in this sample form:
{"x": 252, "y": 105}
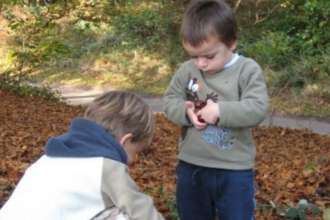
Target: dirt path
{"x": 82, "y": 95}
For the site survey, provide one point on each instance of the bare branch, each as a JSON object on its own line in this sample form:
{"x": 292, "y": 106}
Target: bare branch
{"x": 237, "y": 4}
{"x": 267, "y": 15}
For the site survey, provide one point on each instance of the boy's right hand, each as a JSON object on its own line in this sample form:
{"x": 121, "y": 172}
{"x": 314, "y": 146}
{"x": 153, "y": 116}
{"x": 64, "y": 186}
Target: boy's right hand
{"x": 193, "y": 116}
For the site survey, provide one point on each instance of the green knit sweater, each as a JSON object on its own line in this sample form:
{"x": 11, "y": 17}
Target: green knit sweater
{"x": 242, "y": 96}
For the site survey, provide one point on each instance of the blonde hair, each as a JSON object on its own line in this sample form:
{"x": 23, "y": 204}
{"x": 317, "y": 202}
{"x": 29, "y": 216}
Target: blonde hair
{"x": 122, "y": 112}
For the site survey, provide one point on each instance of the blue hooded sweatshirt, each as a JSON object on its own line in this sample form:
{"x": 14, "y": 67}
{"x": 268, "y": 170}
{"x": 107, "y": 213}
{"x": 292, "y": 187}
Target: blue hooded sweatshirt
{"x": 86, "y": 139}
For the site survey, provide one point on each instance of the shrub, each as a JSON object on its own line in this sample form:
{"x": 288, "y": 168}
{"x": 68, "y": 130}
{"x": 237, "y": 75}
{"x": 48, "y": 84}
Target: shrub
{"x": 306, "y": 22}
{"x": 14, "y": 82}
{"x": 271, "y": 49}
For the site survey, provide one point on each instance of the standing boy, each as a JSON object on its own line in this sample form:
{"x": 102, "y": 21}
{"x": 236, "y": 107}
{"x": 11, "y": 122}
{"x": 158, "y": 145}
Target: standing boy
{"x": 85, "y": 170}
{"x": 216, "y": 97}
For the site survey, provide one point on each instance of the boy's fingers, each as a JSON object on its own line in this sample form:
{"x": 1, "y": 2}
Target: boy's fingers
{"x": 200, "y": 126}
{"x": 190, "y": 105}
{"x": 208, "y": 101}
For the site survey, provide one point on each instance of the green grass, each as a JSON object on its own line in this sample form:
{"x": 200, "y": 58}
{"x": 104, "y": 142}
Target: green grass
{"x": 126, "y": 70}
{"x": 153, "y": 77}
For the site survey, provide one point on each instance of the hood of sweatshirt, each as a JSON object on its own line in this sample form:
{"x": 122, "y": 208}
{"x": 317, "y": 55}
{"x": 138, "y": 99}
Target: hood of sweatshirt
{"x": 85, "y": 139}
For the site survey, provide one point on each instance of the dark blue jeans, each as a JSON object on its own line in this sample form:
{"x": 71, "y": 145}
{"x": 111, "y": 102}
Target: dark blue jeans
{"x": 202, "y": 193}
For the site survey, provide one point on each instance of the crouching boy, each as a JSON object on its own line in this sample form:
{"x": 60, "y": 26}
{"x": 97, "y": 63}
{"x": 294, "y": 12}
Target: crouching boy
{"x": 85, "y": 170}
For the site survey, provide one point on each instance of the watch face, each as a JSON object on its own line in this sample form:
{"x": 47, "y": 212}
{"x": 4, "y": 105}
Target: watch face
{"x": 111, "y": 213}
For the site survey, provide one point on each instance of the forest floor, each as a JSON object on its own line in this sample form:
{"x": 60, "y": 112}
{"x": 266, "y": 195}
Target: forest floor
{"x": 291, "y": 164}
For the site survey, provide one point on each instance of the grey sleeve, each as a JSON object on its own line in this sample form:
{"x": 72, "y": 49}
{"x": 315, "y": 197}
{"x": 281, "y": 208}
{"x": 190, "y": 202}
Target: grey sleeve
{"x": 252, "y": 108}
{"x": 174, "y": 100}
{"x": 124, "y": 193}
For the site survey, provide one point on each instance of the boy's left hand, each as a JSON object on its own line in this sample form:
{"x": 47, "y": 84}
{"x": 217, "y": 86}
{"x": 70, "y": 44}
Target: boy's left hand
{"x": 210, "y": 113}
{"x": 193, "y": 117}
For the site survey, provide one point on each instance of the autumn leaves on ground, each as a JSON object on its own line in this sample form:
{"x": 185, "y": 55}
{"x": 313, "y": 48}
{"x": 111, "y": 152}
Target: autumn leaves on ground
{"x": 291, "y": 164}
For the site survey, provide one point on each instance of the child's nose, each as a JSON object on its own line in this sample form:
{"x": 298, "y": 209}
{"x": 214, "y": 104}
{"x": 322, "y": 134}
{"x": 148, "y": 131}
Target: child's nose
{"x": 201, "y": 62}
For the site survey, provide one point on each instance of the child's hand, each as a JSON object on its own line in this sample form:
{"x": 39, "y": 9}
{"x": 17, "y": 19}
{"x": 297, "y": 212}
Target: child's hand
{"x": 210, "y": 113}
{"x": 193, "y": 117}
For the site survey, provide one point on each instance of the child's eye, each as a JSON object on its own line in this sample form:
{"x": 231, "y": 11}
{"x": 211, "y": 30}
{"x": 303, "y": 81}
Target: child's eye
{"x": 210, "y": 57}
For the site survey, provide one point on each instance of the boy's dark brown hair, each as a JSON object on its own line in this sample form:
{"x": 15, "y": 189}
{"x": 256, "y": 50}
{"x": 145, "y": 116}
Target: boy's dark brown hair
{"x": 206, "y": 18}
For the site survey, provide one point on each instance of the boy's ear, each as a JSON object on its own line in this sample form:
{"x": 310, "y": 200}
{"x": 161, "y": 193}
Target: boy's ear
{"x": 126, "y": 138}
{"x": 233, "y": 45}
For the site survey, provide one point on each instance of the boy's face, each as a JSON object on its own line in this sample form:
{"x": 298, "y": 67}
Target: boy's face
{"x": 132, "y": 149}
{"x": 211, "y": 56}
